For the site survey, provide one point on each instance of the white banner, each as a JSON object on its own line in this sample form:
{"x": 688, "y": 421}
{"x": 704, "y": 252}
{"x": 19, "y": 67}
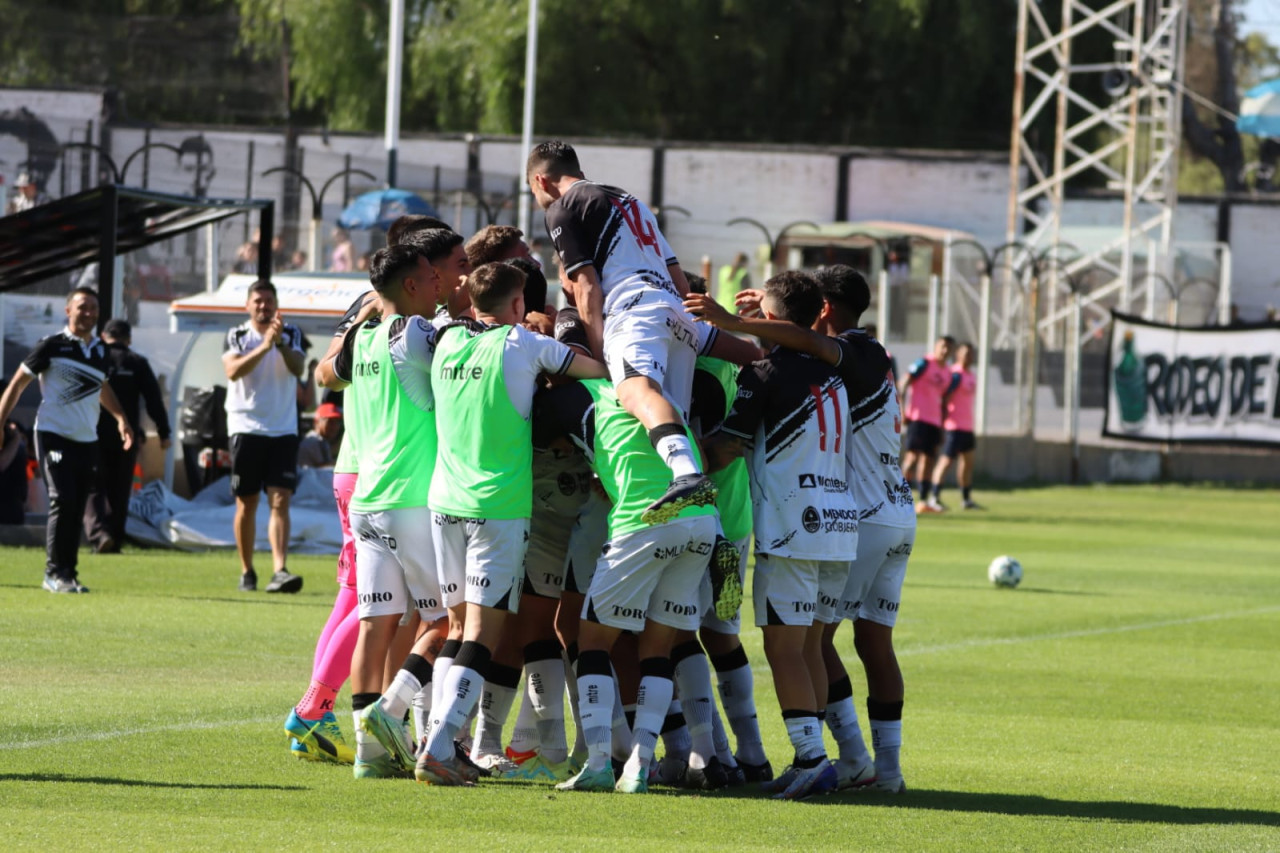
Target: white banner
{"x": 1205, "y": 384}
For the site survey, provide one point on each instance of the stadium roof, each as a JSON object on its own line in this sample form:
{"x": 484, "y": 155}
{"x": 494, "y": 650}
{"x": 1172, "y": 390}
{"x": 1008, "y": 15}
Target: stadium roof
{"x": 109, "y": 220}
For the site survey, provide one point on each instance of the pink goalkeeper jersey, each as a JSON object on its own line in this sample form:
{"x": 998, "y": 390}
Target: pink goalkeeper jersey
{"x": 960, "y": 403}
{"x": 924, "y": 400}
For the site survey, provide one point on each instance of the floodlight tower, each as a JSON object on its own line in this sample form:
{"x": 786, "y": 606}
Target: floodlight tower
{"x": 1121, "y": 119}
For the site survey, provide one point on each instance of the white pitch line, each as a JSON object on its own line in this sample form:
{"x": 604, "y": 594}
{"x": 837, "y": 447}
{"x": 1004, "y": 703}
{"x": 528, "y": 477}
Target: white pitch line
{"x": 119, "y": 733}
{"x": 922, "y": 650}
{"x": 1091, "y": 632}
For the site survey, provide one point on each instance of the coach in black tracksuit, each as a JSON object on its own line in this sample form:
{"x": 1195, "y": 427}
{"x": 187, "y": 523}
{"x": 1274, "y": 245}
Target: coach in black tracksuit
{"x": 131, "y": 378}
{"x": 72, "y": 366}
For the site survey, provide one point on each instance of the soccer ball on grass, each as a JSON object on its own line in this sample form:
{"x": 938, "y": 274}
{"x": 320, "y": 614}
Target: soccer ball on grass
{"x": 1005, "y": 571}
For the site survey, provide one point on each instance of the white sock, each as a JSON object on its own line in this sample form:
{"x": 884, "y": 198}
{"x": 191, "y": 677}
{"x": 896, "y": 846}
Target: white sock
{"x": 677, "y": 452}
{"x": 886, "y": 737}
{"x": 737, "y": 694}
{"x": 622, "y": 730}
{"x": 422, "y": 711}
{"x": 439, "y": 670}
{"x": 546, "y": 694}
{"x": 524, "y": 735}
{"x": 596, "y": 699}
{"x": 367, "y": 746}
{"x": 462, "y": 688}
{"x": 720, "y": 738}
{"x": 571, "y": 691}
{"x": 693, "y": 679}
{"x": 495, "y": 707}
{"x": 395, "y": 701}
{"x": 652, "y": 700}
{"x": 806, "y": 737}
{"x": 676, "y": 741}
{"x": 842, "y": 720}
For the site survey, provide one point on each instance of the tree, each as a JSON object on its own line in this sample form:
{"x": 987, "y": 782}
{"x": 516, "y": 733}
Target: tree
{"x": 1219, "y": 65}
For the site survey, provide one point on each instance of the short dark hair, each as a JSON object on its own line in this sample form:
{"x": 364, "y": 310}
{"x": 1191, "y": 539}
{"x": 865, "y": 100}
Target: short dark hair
{"x": 493, "y": 284}
{"x": 262, "y": 285}
{"x": 798, "y": 296}
{"x": 82, "y": 291}
{"x": 434, "y": 244}
{"x": 411, "y": 222}
{"x": 118, "y": 329}
{"x": 556, "y": 158}
{"x": 845, "y": 287}
{"x": 535, "y": 283}
{"x": 697, "y": 284}
{"x": 492, "y": 243}
{"x": 390, "y": 266}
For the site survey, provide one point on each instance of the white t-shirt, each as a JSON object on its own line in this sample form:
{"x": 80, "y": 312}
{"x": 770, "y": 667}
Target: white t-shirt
{"x": 265, "y": 401}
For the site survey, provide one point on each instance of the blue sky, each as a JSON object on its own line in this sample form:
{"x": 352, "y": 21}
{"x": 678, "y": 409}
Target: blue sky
{"x": 1262, "y": 16}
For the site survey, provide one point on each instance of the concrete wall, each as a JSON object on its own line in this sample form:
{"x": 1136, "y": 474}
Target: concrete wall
{"x": 1015, "y": 459}
{"x": 968, "y": 194}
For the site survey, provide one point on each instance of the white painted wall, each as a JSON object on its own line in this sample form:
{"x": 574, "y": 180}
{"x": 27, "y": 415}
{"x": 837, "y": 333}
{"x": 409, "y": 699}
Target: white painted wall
{"x": 1255, "y": 259}
{"x": 968, "y": 194}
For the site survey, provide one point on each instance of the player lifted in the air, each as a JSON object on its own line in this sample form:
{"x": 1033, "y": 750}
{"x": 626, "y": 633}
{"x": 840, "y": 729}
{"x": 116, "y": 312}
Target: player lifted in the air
{"x": 629, "y": 285}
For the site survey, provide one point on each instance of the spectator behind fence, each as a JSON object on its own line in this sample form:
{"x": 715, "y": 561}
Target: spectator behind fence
{"x": 263, "y": 359}
{"x": 28, "y": 195}
{"x": 131, "y": 378}
{"x": 343, "y": 258}
{"x": 319, "y": 447}
{"x": 732, "y": 279}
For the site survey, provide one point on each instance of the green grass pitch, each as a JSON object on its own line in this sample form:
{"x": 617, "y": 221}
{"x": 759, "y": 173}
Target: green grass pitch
{"x": 1125, "y": 697}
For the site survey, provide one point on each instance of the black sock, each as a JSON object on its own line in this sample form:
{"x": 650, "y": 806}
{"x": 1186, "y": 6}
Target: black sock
{"x": 925, "y": 485}
{"x": 964, "y": 490}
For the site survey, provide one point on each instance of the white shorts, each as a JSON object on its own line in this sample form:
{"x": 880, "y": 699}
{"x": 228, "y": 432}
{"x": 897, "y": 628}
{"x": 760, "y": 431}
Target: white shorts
{"x": 790, "y": 591}
{"x": 481, "y": 560}
{"x": 396, "y": 563}
{"x": 586, "y": 543}
{"x": 658, "y": 339}
{"x": 544, "y": 563}
{"x": 874, "y": 589}
{"x": 709, "y": 619}
{"x": 653, "y": 574}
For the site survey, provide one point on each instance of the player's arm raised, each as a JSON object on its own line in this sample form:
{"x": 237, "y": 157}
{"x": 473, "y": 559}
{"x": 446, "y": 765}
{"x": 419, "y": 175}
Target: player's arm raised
{"x": 781, "y": 332}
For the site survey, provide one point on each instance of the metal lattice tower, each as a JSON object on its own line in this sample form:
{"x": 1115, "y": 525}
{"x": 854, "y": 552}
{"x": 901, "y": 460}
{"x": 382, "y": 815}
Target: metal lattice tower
{"x": 1121, "y": 119}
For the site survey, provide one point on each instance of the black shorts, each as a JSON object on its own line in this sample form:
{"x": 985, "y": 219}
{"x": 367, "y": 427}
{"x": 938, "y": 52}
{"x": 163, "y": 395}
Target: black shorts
{"x": 260, "y": 462}
{"x": 924, "y": 438}
{"x": 957, "y": 442}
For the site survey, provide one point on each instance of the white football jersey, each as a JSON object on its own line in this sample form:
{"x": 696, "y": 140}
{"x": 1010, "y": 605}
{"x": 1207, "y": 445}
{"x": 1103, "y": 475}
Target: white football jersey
{"x": 795, "y": 412}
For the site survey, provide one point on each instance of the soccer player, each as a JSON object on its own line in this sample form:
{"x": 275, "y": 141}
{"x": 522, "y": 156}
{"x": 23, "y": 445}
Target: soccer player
{"x": 690, "y": 748}
{"x": 312, "y": 726}
{"x": 263, "y": 359}
{"x": 886, "y": 531}
{"x": 389, "y": 406}
{"x": 72, "y": 366}
{"x": 792, "y": 410}
{"x": 628, "y": 284}
{"x": 494, "y": 243}
{"x": 443, "y": 248}
{"x": 927, "y": 379}
{"x": 959, "y": 442}
{"x": 646, "y": 582}
{"x": 485, "y": 375}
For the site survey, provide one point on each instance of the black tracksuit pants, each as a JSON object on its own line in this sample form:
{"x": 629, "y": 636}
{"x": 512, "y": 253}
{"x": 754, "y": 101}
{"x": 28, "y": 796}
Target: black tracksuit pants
{"x": 70, "y": 469}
